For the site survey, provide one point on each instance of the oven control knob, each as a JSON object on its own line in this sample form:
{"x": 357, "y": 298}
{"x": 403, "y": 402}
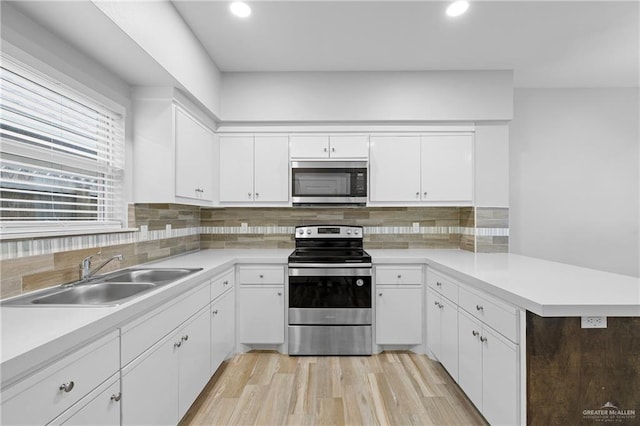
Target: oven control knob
{"x": 308, "y": 231}
{"x": 356, "y": 232}
{"x": 301, "y": 232}
{"x": 359, "y": 282}
{"x": 349, "y": 232}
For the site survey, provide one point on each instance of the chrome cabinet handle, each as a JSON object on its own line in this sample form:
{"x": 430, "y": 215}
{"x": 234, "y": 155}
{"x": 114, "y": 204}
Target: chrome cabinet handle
{"x": 225, "y": 283}
{"x": 436, "y": 303}
{"x": 379, "y": 294}
{"x": 399, "y": 276}
{"x": 249, "y": 194}
{"x": 261, "y": 276}
{"x": 418, "y": 194}
{"x": 325, "y": 150}
{"x": 257, "y": 194}
{"x": 333, "y": 149}
{"x": 475, "y": 333}
{"x": 279, "y": 293}
{"x": 177, "y": 344}
{"x": 425, "y": 194}
{"x": 67, "y": 386}
{"x": 483, "y": 339}
{"x": 438, "y": 283}
{"x": 215, "y": 312}
{"x": 116, "y": 397}
{"x": 185, "y": 338}
{"x": 479, "y": 307}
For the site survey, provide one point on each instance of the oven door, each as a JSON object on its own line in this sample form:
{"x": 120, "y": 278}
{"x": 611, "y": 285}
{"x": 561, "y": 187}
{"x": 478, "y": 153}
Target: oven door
{"x": 328, "y": 182}
{"x": 332, "y": 296}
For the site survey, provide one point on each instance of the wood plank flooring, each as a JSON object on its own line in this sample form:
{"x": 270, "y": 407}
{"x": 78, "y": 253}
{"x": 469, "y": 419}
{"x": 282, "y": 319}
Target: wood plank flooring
{"x": 267, "y": 388}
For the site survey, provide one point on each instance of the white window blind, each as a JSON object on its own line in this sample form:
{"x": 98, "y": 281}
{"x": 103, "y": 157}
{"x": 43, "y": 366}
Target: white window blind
{"x": 62, "y": 156}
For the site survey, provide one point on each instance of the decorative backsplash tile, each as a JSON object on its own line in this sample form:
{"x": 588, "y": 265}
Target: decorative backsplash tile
{"x": 42, "y": 262}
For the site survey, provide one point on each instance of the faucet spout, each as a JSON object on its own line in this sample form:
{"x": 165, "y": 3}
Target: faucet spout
{"x": 85, "y": 266}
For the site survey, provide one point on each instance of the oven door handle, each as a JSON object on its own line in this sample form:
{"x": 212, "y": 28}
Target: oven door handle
{"x": 329, "y": 272}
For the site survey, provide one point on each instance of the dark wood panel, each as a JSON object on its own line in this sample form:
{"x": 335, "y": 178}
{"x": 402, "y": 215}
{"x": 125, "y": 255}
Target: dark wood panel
{"x": 572, "y": 373}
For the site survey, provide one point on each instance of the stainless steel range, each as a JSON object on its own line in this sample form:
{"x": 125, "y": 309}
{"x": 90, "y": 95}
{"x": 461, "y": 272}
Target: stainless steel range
{"x": 329, "y": 292}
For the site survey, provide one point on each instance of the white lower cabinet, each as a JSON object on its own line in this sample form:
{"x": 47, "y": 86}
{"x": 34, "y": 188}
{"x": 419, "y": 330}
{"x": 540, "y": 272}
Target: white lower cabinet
{"x": 261, "y": 304}
{"x": 442, "y": 331}
{"x": 100, "y": 408}
{"x": 64, "y": 387}
{"x": 261, "y": 315}
{"x": 161, "y": 386}
{"x": 222, "y": 329}
{"x": 399, "y": 316}
{"x": 488, "y": 370}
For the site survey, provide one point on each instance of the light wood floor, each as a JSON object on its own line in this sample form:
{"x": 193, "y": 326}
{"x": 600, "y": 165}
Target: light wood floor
{"x": 267, "y": 388}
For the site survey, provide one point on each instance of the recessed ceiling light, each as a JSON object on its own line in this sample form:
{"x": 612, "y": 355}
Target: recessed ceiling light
{"x": 457, "y": 8}
{"x": 240, "y": 8}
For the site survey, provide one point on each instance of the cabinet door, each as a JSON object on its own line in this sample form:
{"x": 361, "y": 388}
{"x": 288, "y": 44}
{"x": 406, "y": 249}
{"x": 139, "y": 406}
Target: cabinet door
{"x": 236, "y": 168}
{"x": 102, "y": 410}
{"x": 150, "y": 387}
{"x": 271, "y": 158}
{"x": 395, "y": 168}
{"x": 194, "y": 155}
{"x": 470, "y": 357}
{"x": 261, "y": 316}
{"x": 447, "y": 168}
{"x": 398, "y": 316}
{"x": 352, "y": 146}
{"x": 222, "y": 329}
{"x": 433, "y": 323}
{"x": 499, "y": 379}
{"x": 309, "y": 146}
{"x": 449, "y": 337}
{"x": 194, "y": 359}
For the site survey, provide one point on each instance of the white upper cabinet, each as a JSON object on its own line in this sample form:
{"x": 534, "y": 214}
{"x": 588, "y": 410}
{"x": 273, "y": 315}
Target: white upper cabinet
{"x": 394, "y": 168}
{"x": 329, "y": 146}
{"x": 428, "y": 169}
{"x": 447, "y": 168}
{"x": 173, "y": 151}
{"x": 194, "y": 154}
{"x": 254, "y": 169}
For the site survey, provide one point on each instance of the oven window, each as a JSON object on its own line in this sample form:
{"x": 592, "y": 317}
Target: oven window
{"x": 329, "y": 292}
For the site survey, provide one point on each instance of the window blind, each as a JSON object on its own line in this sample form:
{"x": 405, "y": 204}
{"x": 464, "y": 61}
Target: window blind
{"x": 62, "y": 155}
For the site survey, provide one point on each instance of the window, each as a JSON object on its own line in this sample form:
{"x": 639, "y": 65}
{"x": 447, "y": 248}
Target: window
{"x": 62, "y": 156}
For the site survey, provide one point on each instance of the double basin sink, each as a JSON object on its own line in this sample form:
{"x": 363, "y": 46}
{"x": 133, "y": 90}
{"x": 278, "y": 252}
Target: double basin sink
{"x": 105, "y": 290}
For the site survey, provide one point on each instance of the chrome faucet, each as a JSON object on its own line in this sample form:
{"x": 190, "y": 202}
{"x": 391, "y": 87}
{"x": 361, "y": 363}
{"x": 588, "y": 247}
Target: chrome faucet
{"x": 85, "y": 266}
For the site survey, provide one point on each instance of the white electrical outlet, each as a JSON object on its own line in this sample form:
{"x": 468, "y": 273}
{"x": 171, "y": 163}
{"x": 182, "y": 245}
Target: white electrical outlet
{"x": 416, "y": 226}
{"x": 594, "y": 322}
{"x": 244, "y": 225}
{"x": 167, "y": 228}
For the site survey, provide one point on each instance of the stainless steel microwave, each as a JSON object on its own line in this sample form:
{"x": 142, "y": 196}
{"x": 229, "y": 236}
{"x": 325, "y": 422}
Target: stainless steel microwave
{"x": 337, "y": 183}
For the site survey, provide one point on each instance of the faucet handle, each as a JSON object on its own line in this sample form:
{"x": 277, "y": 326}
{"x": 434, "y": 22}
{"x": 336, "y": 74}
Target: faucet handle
{"x": 87, "y": 260}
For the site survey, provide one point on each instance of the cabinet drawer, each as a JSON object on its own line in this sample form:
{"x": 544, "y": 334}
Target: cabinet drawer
{"x": 39, "y": 398}
{"x": 443, "y": 285}
{"x": 262, "y": 275}
{"x": 222, "y": 283}
{"x": 148, "y": 329}
{"x": 494, "y": 313}
{"x": 398, "y": 276}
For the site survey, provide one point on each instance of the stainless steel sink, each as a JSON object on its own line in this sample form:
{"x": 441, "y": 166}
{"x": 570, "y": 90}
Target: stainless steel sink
{"x": 94, "y": 294}
{"x": 151, "y": 275}
{"x": 104, "y": 290}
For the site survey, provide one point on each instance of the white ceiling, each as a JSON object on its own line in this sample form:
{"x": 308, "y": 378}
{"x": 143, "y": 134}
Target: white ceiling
{"x": 546, "y": 43}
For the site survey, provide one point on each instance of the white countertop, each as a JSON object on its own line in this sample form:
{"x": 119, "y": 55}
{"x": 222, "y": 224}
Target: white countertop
{"x": 31, "y": 335}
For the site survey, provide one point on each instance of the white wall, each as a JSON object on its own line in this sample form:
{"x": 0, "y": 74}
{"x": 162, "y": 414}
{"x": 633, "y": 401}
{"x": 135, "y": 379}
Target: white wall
{"x": 574, "y": 175}
{"x": 367, "y": 96}
{"x": 157, "y": 28}
{"x": 492, "y": 165}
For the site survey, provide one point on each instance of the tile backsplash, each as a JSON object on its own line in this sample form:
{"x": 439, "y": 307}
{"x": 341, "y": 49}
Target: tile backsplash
{"x": 32, "y": 264}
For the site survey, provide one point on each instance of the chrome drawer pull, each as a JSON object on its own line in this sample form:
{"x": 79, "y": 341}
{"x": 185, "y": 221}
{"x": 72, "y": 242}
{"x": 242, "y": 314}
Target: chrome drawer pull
{"x": 67, "y": 386}
{"x": 438, "y": 283}
{"x": 483, "y": 339}
{"x": 177, "y": 344}
{"x": 185, "y": 337}
{"x": 479, "y": 307}
{"x": 475, "y": 333}
{"x": 215, "y": 312}
{"x": 116, "y": 397}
